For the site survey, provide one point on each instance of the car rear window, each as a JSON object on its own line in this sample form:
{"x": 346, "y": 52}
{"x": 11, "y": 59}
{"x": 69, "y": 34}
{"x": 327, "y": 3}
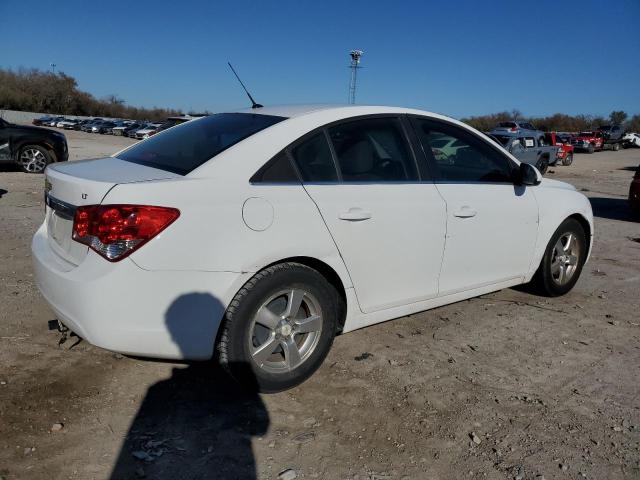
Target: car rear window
{"x": 184, "y": 148}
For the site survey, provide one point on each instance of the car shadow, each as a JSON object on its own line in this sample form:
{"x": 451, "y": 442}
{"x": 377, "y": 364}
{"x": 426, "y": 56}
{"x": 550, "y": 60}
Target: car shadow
{"x": 198, "y": 423}
{"x": 629, "y": 169}
{"x": 3, "y": 192}
{"x": 612, "y": 208}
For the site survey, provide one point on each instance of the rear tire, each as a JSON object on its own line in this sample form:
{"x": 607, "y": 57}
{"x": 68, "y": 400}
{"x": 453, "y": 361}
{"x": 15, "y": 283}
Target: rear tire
{"x": 616, "y": 147}
{"x": 279, "y": 328}
{"x": 568, "y": 160}
{"x": 33, "y": 158}
{"x": 563, "y": 260}
{"x": 591, "y": 148}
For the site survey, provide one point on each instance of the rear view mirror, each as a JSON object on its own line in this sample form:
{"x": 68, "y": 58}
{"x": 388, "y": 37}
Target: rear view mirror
{"x": 529, "y": 175}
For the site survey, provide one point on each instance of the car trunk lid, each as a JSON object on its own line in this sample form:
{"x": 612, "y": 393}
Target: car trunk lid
{"x": 69, "y": 185}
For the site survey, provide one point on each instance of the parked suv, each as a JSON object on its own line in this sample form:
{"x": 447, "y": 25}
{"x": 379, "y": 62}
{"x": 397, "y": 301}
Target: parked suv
{"x": 33, "y": 148}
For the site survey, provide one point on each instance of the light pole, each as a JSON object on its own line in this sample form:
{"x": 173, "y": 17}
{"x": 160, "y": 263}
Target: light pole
{"x": 53, "y": 67}
{"x": 354, "y": 66}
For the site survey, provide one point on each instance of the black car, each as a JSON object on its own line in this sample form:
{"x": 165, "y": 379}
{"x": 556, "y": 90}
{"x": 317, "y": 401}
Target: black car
{"x": 42, "y": 120}
{"x": 131, "y": 130}
{"x": 103, "y": 127}
{"x": 33, "y": 148}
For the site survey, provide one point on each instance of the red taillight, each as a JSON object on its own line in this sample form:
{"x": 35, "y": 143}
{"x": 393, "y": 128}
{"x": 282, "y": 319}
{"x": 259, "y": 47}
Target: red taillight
{"x": 115, "y": 231}
{"x": 514, "y": 129}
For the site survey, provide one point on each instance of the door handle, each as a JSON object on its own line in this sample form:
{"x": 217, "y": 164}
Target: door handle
{"x": 355, "y": 215}
{"x": 465, "y": 212}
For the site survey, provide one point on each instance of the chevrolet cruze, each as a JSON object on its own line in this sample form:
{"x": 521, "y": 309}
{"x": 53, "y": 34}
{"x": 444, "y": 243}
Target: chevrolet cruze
{"x": 256, "y": 236}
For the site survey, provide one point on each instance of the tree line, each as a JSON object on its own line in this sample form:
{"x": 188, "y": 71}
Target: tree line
{"x": 34, "y": 90}
{"x": 558, "y": 122}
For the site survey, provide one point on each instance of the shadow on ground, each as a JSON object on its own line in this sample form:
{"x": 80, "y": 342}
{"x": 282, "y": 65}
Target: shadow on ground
{"x": 612, "y": 208}
{"x": 199, "y": 423}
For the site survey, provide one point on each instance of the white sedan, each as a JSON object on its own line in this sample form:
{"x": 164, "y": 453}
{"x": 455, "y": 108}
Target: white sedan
{"x": 631, "y": 139}
{"x": 256, "y": 236}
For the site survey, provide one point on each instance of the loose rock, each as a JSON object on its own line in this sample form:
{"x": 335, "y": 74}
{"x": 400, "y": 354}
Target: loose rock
{"x": 288, "y": 474}
{"x": 56, "y": 427}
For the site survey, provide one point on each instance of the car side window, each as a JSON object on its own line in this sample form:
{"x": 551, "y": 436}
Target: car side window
{"x": 473, "y": 161}
{"x": 276, "y": 170}
{"x": 373, "y": 150}
{"x": 314, "y": 160}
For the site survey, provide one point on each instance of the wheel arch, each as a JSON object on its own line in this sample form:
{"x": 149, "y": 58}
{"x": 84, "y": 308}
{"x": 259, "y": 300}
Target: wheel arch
{"x": 329, "y": 273}
{"x": 584, "y": 223}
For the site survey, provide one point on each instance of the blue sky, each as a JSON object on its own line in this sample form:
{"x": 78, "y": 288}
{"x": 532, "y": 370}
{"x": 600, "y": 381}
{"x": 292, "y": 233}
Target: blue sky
{"x": 455, "y": 57}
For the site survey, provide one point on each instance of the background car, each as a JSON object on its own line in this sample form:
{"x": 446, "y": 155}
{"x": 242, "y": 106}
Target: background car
{"x": 588, "y": 141}
{"x": 103, "y": 127}
{"x": 631, "y": 140}
{"x": 131, "y": 129}
{"x": 563, "y": 141}
{"x": 529, "y": 146}
{"x": 634, "y": 192}
{"x": 42, "y": 120}
{"x": 68, "y": 124}
{"x": 33, "y": 148}
{"x": 148, "y": 130}
{"x": 509, "y": 128}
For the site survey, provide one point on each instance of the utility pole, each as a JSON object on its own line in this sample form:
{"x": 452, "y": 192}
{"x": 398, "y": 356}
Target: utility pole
{"x": 53, "y": 67}
{"x": 354, "y": 66}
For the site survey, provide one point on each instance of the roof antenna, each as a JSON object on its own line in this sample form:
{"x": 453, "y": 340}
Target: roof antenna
{"x": 253, "y": 102}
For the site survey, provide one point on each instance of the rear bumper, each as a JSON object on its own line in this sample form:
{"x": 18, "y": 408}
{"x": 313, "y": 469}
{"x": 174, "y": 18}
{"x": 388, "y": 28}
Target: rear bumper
{"x": 123, "y": 308}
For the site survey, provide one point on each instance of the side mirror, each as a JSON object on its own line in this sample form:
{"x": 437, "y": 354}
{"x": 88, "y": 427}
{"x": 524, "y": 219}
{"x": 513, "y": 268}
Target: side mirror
{"x": 528, "y": 175}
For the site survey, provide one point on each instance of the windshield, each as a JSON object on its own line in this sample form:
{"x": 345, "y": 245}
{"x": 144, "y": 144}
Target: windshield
{"x": 507, "y": 125}
{"x": 186, "y": 147}
{"x": 586, "y": 134}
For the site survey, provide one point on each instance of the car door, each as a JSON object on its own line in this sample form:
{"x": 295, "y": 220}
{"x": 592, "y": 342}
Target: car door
{"x": 388, "y": 223}
{"x": 492, "y": 224}
{"x": 5, "y": 141}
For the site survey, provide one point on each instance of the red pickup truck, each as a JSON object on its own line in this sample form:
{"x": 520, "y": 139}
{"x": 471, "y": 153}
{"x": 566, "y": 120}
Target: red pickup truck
{"x": 565, "y": 152}
{"x": 589, "y": 141}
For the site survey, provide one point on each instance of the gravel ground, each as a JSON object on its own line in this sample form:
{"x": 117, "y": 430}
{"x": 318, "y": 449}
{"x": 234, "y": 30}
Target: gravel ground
{"x": 508, "y": 385}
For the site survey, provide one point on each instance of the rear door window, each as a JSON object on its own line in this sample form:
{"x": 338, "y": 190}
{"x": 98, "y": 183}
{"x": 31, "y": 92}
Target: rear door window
{"x": 185, "y": 147}
{"x": 373, "y": 150}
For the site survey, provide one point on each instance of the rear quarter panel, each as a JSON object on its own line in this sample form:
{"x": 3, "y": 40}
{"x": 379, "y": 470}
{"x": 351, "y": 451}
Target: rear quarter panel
{"x": 215, "y": 231}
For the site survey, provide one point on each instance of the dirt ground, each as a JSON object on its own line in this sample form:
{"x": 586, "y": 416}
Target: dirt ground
{"x": 508, "y": 385}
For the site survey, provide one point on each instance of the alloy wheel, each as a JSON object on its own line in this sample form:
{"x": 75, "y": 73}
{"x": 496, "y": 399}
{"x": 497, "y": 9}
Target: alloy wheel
{"x": 285, "y": 330}
{"x": 33, "y": 160}
{"x": 565, "y": 258}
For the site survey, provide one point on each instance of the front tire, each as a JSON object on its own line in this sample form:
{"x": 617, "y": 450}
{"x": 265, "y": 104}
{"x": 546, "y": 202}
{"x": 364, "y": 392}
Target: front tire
{"x": 33, "y": 158}
{"x": 616, "y": 147}
{"x": 568, "y": 160}
{"x": 563, "y": 260}
{"x": 279, "y": 327}
{"x": 542, "y": 165}
{"x": 591, "y": 148}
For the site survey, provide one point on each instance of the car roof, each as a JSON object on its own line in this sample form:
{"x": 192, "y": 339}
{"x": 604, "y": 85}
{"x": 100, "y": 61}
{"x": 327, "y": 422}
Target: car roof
{"x": 293, "y": 111}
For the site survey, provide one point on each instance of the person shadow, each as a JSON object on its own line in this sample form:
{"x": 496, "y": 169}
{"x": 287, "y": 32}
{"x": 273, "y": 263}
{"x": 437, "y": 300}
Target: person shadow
{"x": 198, "y": 424}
